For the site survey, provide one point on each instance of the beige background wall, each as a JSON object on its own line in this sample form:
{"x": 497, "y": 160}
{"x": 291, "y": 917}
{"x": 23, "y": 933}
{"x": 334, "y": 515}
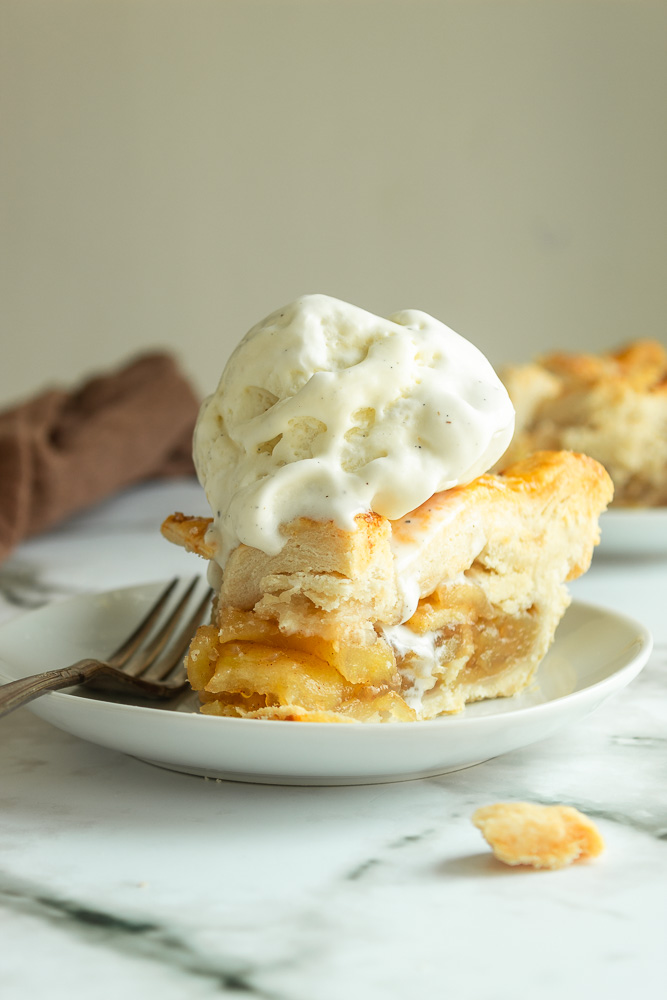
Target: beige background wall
{"x": 173, "y": 170}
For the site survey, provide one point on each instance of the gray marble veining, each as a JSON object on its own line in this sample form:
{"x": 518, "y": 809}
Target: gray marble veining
{"x": 119, "y": 879}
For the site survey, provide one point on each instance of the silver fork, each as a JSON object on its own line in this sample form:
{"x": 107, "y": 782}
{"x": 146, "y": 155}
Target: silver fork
{"x": 134, "y": 667}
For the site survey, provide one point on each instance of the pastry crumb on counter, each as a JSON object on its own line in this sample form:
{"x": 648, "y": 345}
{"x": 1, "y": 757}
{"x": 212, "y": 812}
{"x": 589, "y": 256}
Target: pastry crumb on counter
{"x": 523, "y": 833}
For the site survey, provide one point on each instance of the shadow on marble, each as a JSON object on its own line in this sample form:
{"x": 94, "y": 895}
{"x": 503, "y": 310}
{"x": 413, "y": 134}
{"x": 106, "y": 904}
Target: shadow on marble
{"x": 482, "y": 865}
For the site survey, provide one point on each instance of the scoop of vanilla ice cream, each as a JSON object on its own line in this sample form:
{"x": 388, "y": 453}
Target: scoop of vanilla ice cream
{"x": 325, "y": 410}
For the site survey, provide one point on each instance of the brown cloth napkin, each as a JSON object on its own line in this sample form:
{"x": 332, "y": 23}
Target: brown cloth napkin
{"x": 63, "y": 451}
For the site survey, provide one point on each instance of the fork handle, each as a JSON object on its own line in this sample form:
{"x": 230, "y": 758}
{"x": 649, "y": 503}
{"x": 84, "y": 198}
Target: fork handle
{"x": 18, "y": 693}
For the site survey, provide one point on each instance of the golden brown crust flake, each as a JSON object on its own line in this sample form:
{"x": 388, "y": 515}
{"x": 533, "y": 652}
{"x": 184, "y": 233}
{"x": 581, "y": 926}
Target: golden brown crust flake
{"x": 523, "y": 833}
{"x": 189, "y": 532}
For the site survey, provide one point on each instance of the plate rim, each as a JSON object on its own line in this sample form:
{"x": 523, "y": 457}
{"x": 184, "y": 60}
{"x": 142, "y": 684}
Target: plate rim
{"x": 633, "y": 533}
{"x": 656, "y": 511}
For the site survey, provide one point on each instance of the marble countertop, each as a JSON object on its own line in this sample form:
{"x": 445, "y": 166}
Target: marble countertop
{"x": 119, "y": 879}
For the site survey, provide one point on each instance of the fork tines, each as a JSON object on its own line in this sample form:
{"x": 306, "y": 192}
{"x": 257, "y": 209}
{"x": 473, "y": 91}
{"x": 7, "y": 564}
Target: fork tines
{"x": 155, "y": 649}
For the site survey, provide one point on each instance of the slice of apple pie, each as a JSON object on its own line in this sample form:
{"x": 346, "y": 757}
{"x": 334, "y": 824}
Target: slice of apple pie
{"x": 611, "y": 406}
{"x": 399, "y": 620}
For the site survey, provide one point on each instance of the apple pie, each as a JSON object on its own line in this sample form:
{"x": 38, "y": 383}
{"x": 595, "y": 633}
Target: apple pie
{"x": 399, "y": 620}
{"x": 610, "y": 406}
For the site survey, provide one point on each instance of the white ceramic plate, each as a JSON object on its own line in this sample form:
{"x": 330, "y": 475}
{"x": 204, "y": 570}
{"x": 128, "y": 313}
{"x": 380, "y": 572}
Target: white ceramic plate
{"x": 596, "y": 652}
{"x": 631, "y": 532}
